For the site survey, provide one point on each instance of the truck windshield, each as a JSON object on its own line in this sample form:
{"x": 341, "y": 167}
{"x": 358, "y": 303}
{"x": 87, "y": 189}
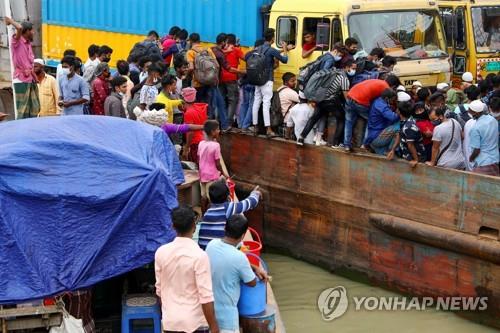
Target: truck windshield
{"x": 405, "y": 35}
{"x": 486, "y": 23}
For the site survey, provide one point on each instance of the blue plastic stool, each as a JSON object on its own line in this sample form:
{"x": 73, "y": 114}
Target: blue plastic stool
{"x": 139, "y": 306}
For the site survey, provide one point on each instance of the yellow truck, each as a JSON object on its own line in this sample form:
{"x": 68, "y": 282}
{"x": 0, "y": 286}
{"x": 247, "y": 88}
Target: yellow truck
{"x": 472, "y": 29}
{"x": 409, "y": 30}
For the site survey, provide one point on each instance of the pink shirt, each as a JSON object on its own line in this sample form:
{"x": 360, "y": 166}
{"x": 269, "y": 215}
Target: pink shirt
{"x": 209, "y": 153}
{"x": 183, "y": 283}
{"x": 22, "y": 57}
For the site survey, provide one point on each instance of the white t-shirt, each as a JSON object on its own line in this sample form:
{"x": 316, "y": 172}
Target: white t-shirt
{"x": 453, "y": 157}
{"x": 467, "y": 150}
{"x": 288, "y": 98}
{"x": 298, "y": 117}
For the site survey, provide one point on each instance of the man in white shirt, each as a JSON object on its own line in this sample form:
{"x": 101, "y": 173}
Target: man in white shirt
{"x": 298, "y": 117}
{"x": 92, "y": 60}
{"x": 288, "y": 96}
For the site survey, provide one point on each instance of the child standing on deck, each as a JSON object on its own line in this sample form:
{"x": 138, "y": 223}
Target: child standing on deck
{"x": 221, "y": 209}
{"x": 210, "y": 160}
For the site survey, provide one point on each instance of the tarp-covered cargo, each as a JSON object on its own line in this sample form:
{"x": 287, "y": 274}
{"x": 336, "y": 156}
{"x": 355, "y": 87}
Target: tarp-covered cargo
{"x": 82, "y": 199}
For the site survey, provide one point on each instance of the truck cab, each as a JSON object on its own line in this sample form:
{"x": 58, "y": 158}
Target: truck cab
{"x": 410, "y": 31}
{"x": 472, "y": 35}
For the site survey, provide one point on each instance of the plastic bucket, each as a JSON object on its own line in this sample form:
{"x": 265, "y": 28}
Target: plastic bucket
{"x": 253, "y": 247}
{"x": 253, "y": 299}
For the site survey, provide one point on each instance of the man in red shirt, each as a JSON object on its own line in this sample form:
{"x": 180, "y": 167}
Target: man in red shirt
{"x": 309, "y": 45}
{"x": 196, "y": 114}
{"x": 229, "y": 87}
{"x": 100, "y": 89}
{"x": 358, "y": 104}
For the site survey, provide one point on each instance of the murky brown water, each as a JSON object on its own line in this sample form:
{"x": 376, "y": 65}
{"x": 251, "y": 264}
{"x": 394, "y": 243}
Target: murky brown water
{"x": 297, "y": 285}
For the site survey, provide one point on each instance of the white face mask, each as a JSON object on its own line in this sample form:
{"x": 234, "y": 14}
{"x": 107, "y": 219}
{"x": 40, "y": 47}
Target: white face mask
{"x": 65, "y": 71}
{"x": 143, "y": 76}
{"x": 121, "y": 94}
{"x": 351, "y": 72}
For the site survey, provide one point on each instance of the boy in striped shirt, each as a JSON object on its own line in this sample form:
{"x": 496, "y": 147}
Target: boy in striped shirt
{"x": 221, "y": 209}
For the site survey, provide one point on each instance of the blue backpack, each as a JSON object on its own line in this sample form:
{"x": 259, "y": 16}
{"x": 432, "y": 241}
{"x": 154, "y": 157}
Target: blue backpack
{"x": 363, "y": 76}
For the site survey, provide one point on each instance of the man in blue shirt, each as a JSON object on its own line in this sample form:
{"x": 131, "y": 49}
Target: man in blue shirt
{"x": 74, "y": 90}
{"x": 264, "y": 93}
{"x": 332, "y": 57}
{"x": 483, "y": 141}
{"x": 229, "y": 267}
{"x": 383, "y": 123}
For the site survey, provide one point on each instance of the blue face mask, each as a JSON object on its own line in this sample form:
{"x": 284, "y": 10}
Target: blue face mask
{"x": 351, "y": 72}
{"x": 337, "y": 58}
{"x": 436, "y": 122}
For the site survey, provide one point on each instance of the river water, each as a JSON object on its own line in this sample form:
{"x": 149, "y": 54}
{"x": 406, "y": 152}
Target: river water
{"x": 297, "y": 286}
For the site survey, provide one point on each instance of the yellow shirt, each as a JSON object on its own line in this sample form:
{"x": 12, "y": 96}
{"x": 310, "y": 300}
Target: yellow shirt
{"x": 191, "y": 55}
{"x": 49, "y": 96}
{"x": 170, "y": 104}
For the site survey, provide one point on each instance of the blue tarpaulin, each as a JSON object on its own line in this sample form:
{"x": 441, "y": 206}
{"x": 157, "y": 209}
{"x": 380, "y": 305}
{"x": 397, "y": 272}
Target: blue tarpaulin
{"x": 82, "y": 199}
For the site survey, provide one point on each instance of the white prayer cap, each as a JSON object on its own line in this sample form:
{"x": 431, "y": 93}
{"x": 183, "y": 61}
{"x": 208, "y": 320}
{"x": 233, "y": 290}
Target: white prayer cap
{"x": 477, "y": 106}
{"x": 39, "y": 61}
{"x": 442, "y": 86}
{"x": 401, "y": 88}
{"x": 403, "y": 97}
{"x": 467, "y": 77}
{"x": 417, "y": 84}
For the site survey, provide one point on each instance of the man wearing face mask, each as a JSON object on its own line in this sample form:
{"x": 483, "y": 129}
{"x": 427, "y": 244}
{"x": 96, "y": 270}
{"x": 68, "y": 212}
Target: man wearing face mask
{"x": 336, "y": 95}
{"x": 483, "y": 141}
{"x": 113, "y": 106}
{"x": 47, "y": 88}
{"x": 74, "y": 91}
{"x": 100, "y": 89}
{"x": 351, "y": 45}
{"x": 333, "y": 57}
{"x": 24, "y": 80}
{"x": 447, "y": 149}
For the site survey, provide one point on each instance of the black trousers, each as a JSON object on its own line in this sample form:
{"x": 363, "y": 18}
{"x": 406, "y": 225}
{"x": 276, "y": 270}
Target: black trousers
{"x": 322, "y": 109}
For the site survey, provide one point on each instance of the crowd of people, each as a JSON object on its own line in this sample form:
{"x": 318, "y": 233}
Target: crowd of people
{"x": 346, "y": 98}
{"x": 185, "y": 87}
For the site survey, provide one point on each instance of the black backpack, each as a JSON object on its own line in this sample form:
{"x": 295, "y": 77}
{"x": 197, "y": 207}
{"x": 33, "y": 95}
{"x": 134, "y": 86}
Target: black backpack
{"x": 307, "y": 71}
{"x": 145, "y": 48}
{"x": 257, "y": 74}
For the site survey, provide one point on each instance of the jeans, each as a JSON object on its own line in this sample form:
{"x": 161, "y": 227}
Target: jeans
{"x": 231, "y": 93}
{"x": 263, "y": 94}
{"x": 246, "y": 106}
{"x": 385, "y": 140}
{"x": 352, "y": 111}
{"x": 216, "y": 104}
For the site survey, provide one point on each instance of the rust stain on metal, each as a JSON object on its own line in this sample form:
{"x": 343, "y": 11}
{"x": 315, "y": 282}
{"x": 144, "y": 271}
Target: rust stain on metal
{"x": 321, "y": 204}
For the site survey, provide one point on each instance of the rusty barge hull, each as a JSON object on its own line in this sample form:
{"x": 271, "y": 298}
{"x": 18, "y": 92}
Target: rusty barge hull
{"x": 424, "y": 231}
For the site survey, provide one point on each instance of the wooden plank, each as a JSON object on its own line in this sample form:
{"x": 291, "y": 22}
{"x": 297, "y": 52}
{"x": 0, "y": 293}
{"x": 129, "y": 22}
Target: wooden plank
{"x": 29, "y": 311}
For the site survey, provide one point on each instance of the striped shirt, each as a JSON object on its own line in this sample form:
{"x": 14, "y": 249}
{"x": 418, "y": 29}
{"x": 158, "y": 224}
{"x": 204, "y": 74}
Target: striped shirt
{"x": 339, "y": 85}
{"x": 214, "y": 221}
